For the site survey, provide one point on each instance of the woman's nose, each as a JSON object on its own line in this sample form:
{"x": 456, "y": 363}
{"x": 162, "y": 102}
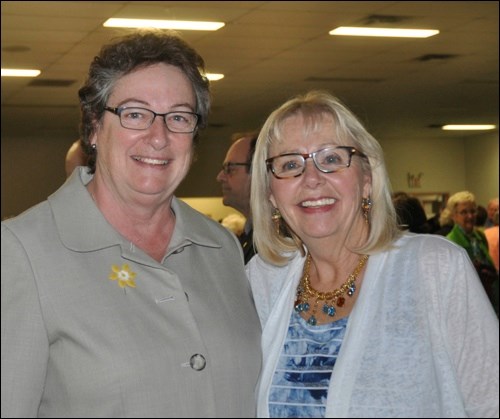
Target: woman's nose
{"x": 158, "y": 133}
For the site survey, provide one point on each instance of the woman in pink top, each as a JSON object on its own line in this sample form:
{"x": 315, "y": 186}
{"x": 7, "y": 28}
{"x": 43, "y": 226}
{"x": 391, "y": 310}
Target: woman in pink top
{"x": 491, "y": 234}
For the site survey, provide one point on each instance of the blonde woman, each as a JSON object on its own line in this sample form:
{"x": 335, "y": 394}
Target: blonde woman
{"x": 359, "y": 319}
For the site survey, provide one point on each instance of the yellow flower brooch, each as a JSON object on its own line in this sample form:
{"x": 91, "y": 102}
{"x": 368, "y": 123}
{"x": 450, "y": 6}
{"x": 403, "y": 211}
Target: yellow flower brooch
{"x": 123, "y": 275}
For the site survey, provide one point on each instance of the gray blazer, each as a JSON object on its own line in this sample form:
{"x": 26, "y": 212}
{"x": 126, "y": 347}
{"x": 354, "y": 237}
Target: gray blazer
{"x": 185, "y": 342}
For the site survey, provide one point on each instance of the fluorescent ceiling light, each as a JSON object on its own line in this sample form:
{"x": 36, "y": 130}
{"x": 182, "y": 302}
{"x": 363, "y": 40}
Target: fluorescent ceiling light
{"x": 12, "y": 72}
{"x": 214, "y": 76}
{"x": 163, "y": 24}
{"x": 399, "y": 33}
{"x": 468, "y": 127}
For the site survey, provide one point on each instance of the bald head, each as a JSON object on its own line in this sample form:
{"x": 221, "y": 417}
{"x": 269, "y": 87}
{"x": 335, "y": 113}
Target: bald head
{"x": 75, "y": 157}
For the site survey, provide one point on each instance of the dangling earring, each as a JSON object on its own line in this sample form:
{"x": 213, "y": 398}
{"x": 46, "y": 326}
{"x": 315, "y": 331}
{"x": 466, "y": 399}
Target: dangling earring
{"x": 366, "y": 207}
{"x": 276, "y": 217}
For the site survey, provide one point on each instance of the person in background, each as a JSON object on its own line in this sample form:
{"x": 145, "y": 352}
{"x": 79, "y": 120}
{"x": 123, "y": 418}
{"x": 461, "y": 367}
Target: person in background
{"x": 235, "y": 179}
{"x": 118, "y": 299}
{"x": 491, "y": 234}
{"x": 433, "y": 222}
{"x": 445, "y": 222}
{"x": 359, "y": 318}
{"x": 481, "y": 217}
{"x": 410, "y": 213}
{"x": 75, "y": 157}
{"x": 491, "y": 209}
{"x": 463, "y": 209}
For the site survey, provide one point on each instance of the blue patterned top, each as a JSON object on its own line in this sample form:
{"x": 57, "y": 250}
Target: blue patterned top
{"x": 300, "y": 382}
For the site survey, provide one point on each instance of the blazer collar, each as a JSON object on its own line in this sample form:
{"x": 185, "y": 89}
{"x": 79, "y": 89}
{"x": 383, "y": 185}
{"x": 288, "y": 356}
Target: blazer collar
{"x": 83, "y": 228}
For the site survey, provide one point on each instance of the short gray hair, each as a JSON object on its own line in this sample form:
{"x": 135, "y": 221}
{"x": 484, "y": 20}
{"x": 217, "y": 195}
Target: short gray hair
{"x": 122, "y": 56}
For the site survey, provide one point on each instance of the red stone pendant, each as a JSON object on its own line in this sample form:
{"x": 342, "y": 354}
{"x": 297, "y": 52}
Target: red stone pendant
{"x": 340, "y": 301}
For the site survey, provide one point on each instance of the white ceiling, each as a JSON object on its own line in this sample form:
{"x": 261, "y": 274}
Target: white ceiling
{"x": 269, "y": 51}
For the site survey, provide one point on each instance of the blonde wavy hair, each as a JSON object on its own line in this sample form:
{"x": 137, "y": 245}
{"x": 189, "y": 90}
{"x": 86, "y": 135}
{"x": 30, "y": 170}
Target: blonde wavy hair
{"x": 457, "y": 198}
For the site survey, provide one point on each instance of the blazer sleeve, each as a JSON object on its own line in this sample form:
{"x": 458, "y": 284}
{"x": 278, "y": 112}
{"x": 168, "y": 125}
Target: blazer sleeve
{"x": 25, "y": 345}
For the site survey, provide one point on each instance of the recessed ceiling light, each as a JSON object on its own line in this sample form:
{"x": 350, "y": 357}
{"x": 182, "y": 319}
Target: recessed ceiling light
{"x": 13, "y": 72}
{"x": 163, "y": 24}
{"x": 468, "y": 127}
{"x": 214, "y": 76}
{"x": 399, "y": 33}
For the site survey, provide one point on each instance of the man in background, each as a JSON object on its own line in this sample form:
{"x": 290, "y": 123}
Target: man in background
{"x": 235, "y": 178}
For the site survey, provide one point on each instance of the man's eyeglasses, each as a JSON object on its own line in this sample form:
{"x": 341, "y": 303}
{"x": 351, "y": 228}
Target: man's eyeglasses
{"x": 327, "y": 160}
{"x": 141, "y": 119}
{"x": 228, "y": 167}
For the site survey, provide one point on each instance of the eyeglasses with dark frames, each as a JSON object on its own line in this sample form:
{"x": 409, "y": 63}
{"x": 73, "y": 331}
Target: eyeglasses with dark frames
{"x": 326, "y": 160}
{"x": 227, "y": 167}
{"x": 141, "y": 119}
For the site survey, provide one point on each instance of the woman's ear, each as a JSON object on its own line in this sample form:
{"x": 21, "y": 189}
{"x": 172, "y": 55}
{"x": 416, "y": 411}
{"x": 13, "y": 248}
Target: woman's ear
{"x": 93, "y": 137}
{"x": 273, "y": 201}
{"x": 367, "y": 185}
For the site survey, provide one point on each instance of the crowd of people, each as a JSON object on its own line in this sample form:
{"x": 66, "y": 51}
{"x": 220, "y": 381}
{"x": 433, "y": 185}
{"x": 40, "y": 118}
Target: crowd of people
{"x": 335, "y": 299}
{"x": 464, "y": 222}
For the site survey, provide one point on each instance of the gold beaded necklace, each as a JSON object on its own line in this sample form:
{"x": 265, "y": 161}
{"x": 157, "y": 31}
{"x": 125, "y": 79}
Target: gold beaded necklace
{"x": 305, "y": 291}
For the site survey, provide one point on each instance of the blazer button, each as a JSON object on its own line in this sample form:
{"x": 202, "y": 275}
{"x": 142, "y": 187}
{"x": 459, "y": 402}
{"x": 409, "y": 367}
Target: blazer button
{"x": 197, "y": 362}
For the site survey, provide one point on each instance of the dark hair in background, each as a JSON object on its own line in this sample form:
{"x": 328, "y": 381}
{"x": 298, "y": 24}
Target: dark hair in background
{"x": 411, "y": 214}
{"x": 123, "y": 56}
{"x": 481, "y": 216}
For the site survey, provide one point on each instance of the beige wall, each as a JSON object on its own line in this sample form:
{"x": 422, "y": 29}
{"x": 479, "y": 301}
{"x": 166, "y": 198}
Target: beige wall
{"x": 32, "y": 169}
{"x": 447, "y": 165}
{"x": 481, "y": 166}
{"x": 440, "y": 163}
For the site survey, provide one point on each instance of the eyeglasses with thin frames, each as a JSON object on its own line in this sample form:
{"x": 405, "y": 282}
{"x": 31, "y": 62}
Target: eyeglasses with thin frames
{"x": 465, "y": 212}
{"x": 181, "y": 122}
{"x": 228, "y": 167}
{"x": 326, "y": 160}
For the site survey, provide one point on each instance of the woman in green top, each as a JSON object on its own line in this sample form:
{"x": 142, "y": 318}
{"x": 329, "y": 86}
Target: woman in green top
{"x": 462, "y": 208}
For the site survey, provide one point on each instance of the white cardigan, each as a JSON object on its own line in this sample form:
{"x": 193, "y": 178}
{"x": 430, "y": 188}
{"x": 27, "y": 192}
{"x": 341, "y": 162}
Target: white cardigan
{"x": 421, "y": 341}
